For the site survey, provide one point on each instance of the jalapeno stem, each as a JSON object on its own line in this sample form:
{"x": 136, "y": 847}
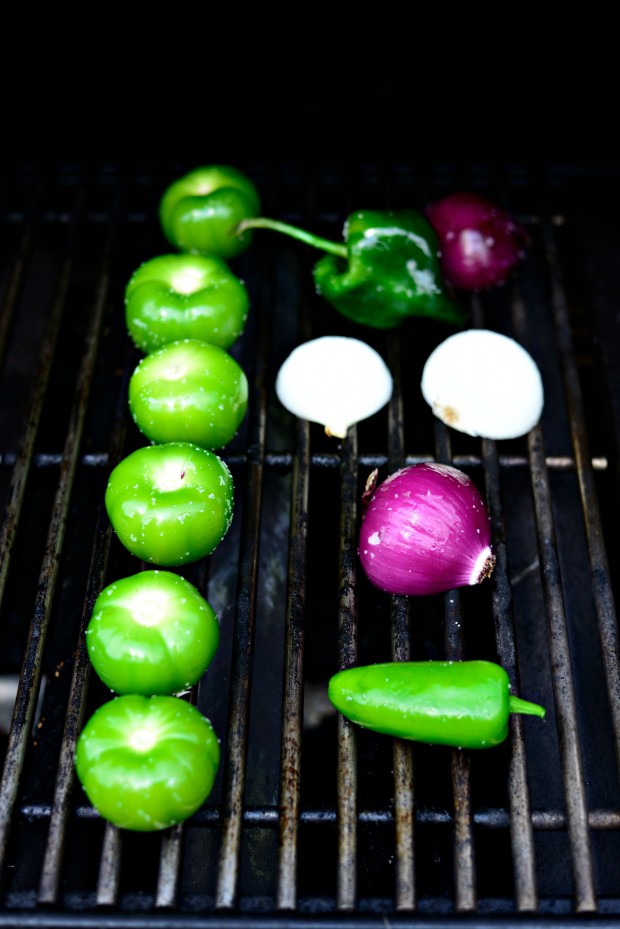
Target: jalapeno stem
{"x": 325, "y": 245}
{"x": 517, "y": 705}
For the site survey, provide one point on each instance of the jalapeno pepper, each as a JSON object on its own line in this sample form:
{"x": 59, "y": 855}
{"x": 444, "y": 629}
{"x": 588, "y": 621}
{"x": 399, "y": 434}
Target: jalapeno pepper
{"x": 386, "y": 269}
{"x": 465, "y": 704}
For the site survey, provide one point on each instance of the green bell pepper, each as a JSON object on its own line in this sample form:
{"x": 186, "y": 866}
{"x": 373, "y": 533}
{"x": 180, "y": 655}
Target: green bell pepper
{"x": 386, "y": 270}
{"x": 200, "y": 211}
{"x": 465, "y": 704}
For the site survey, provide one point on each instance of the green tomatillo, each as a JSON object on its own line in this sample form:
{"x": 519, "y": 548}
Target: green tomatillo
{"x": 386, "y": 270}
{"x": 465, "y": 704}
{"x": 200, "y": 211}
{"x": 189, "y": 391}
{"x": 147, "y": 763}
{"x": 151, "y": 633}
{"x": 170, "y": 504}
{"x": 174, "y": 297}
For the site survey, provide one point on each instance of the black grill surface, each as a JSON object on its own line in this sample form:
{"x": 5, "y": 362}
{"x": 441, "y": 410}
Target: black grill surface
{"x": 312, "y": 821}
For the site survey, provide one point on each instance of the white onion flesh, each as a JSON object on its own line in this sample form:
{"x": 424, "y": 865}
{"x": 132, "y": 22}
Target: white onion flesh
{"x": 335, "y": 381}
{"x": 484, "y": 384}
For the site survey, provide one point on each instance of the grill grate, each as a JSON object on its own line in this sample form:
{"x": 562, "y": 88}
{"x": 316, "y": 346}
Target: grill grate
{"x": 310, "y": 816}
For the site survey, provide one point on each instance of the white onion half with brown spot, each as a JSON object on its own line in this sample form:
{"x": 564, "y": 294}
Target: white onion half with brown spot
{"x": 484, "y": 384}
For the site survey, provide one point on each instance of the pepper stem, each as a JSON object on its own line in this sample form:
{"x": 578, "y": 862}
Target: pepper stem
{"x": 325, "y": 245}
{"x": 517, "y": 705}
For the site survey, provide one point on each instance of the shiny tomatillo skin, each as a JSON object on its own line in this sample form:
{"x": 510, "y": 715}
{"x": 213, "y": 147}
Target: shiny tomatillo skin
{"x": 386, "y": 270}
{"x": 200, "y": 211}
{"x": 189, "y": 391}
{"x": 174, "y": 297}
{"x": 465, "y": 704}
{"x": 147, "y": 763}
{"x": 151, "y": 633}
{"x": 170, "y": 504}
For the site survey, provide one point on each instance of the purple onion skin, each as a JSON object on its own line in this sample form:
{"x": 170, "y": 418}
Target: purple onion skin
{"x": 480, "y": 244}
{"x": 426, "y": 530}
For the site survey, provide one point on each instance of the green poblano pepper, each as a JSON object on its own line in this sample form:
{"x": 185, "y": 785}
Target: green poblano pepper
{"x": 386, "y": 270}
{"x": 465, "y": 704}
{"x": 391, "y": 271}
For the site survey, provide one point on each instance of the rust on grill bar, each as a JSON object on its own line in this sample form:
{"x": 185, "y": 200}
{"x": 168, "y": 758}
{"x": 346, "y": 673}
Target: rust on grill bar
{"x": 404, "y": 797}
{"x": 236, "y": 758}
{"x": 313, "y": 820}
{"x": 347, "y": 653}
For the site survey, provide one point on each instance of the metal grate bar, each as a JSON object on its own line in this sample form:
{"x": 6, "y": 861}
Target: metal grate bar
{"x": 243, "y": 642}
{"x": 520, "y": 814}
{"x": 563, "y": 687}
{"x": 564, "y": 695}
{"x": 347, "y": 657}
{"x": 521, "y": 831}
{"x": 403, "y": 776}
{"x": 293, "y": 679}
{"x": 465, "y": 879}
{"x": 50, "y": 875}
{"x": 261, "y": 817}
{"x": 601, "y": 581}
{"x": 28, "y": 688}
{"x": 171, "y": 852}
{"x": 15, "y": 278}
{"x": 23, "y": 461}
{"x": 109, "y": 867}
{"x": 402, "y": 751}
{"x": 169, "y": 867}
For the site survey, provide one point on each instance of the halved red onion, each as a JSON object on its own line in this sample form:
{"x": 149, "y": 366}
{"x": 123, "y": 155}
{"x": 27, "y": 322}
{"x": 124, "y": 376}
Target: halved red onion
{"x": 425, "y": 530}
{"x": 480, "y": 243}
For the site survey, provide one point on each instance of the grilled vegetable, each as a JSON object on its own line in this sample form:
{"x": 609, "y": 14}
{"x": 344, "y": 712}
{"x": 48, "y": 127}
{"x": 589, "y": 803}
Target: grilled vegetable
{"x": 464, "y": 704}
{"x": 334, "y": 381}
{"x": 151, "y": 633}
{"x": 480, "y": 243}
{"x": 189, "y": 391}
{"x": 425, "y": 530}
{"x": 174, "y": 297}
{"x": 483, "y": 383}
{"x": 170, "y": 504}
{"x": 200, "y": 211}
{"x": 147, "y": 763}
{"x": 386, "y": 270}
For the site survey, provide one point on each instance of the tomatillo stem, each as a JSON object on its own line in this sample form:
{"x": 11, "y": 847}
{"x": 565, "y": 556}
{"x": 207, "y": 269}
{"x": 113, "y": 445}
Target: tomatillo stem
{"x": 325, "y": 245}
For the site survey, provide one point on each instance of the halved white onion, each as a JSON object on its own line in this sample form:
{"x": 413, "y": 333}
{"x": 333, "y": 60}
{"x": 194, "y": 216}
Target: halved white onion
{"x": 335, "y": 381}
{"x": 484, "y": 384}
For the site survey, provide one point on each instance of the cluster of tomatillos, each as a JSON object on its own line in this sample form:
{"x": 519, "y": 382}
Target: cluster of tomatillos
{"x": 148, "y": 758}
